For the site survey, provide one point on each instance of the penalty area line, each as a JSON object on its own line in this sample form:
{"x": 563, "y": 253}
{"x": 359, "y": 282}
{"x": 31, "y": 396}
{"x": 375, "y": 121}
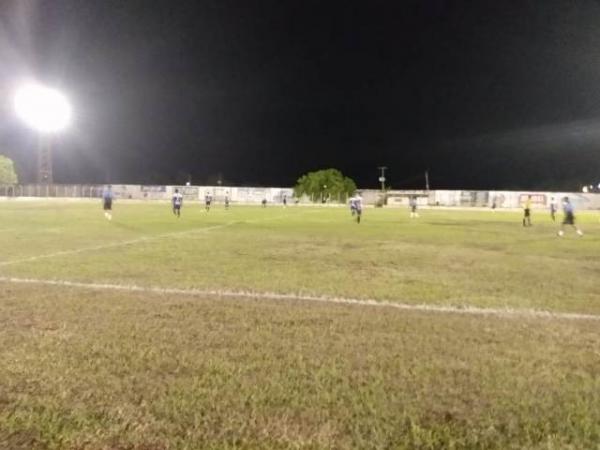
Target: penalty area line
{"x": 113, "y": 244}
{"x": 256, "y": 295}
{"x": 133, "y": 241}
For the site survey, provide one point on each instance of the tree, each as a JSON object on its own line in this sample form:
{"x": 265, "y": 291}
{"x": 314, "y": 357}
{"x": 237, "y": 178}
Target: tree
{"x": 7, "y": 171}
{"x": 324, "y": 184}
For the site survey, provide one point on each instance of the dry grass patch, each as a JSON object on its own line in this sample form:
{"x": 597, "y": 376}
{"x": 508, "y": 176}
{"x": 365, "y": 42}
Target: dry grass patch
{"x": 97, "y": 370}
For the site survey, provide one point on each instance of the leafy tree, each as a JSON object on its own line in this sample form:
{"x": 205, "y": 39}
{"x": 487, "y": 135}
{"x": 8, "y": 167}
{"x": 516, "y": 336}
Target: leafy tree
{"x": 324, "y": 184}
{"x": 7, "y": 171}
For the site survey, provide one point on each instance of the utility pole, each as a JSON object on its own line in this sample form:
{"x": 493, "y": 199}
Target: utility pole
{"x": 382, "y": 177}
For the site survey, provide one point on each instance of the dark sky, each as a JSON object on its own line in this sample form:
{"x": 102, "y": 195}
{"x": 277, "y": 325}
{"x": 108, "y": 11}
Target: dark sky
{"x": 484, "y": 94}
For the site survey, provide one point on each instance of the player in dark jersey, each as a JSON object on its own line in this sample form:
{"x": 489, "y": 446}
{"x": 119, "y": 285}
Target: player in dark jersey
{"x": 107, "y": 200}
{"x": 527, "y": 212}
{"x": 207, "y": 200}
{"x": 569, "y": 217}
{"x": 412, "y": 202}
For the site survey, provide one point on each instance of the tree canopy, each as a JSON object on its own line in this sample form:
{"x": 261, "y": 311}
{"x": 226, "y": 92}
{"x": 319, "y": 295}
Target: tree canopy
{"x": 7, "y": 171}
{"x": 324, "y": 184}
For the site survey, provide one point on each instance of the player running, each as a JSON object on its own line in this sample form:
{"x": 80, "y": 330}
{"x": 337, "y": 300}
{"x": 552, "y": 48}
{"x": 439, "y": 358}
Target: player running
{"x": 107, "y": 199}
{"x": 527, "y": 212}
{"x": 569, "y": 218}
{"x": 207, "y": 200}
{"x": 553, "y": 209}
{"x": 177, "y": 202}
{"x": 352, "y": 201}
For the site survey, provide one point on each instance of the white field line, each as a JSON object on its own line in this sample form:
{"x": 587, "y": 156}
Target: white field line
{"x": 130, "y": 241}
{"x": 440, "y": 309}
{"x": 112, "y": 244}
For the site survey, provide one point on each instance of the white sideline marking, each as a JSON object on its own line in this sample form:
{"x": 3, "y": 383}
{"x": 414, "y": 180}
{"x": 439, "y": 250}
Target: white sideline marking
{"x": 466, "y": 310}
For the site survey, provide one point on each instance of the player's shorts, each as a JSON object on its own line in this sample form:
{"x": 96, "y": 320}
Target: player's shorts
{"x": 107, "y": 205}
{"x": 569, "y": 219}
{"x": 413, "y": 208}
{"x": 176, "y": 206}
{"x": 208, "y": 203}
{"x": 527, "y": 212}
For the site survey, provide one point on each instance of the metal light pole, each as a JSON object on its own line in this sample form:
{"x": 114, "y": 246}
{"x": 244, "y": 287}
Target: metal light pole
{"x": 44, "y": 160}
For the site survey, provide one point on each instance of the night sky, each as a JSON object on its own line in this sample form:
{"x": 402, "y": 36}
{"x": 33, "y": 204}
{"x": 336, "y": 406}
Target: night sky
{"x": 484, "y": 94}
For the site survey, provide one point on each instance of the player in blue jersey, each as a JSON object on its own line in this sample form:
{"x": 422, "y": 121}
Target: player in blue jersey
{"x": 569, "y": 217}
{"x": 107, "y": 200}
{"x": 177, "y": 202}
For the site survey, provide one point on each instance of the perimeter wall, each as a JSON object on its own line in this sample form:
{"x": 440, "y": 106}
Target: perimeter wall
{"x": 254, "y": 195}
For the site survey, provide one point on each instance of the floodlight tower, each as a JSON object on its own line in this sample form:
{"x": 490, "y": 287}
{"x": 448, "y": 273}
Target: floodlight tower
{"x": 46, "y": 111}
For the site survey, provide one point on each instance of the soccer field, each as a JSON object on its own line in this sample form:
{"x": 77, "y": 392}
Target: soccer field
{"x": 252, "y": 328}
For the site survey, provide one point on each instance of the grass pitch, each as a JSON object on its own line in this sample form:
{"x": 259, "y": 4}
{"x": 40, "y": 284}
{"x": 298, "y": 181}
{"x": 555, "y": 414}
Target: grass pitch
{"x": 96, "y": 368}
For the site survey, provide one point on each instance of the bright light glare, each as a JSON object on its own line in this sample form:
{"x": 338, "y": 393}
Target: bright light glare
{"x": 42, "y": 108}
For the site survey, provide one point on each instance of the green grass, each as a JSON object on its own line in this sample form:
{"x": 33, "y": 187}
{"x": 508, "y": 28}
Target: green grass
{"x": 96, "y": 369}
{"x": 445, "y": 257}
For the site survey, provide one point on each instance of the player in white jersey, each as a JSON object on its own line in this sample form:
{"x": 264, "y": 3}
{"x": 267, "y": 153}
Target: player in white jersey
{"x": 208, "y": 200}
{"x": 553, "y": 209}
{"x": 177, "y": 202}
{"x": 352, "y": 203}
{"x": 227, "y": 200}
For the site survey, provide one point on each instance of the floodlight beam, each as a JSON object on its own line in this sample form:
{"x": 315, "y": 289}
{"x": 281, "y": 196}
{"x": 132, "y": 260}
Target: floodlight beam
{"x": 44, "y": 109}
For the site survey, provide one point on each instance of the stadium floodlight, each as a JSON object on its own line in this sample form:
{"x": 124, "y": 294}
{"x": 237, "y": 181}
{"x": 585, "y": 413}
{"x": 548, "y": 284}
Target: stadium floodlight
{"x": 43, "y": 109}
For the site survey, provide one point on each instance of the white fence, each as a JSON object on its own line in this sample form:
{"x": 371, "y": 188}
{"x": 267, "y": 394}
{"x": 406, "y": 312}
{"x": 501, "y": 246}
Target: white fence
{"x": 255, "y": 195}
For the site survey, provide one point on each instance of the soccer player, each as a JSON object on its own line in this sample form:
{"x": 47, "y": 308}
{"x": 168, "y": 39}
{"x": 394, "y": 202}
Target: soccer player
{"x": 553, "y": 209}
{"x": 177, "y": 203}
{"x": 107, "y": 199}
{"x": 413, "y": 207}
{"x": 207, "y": 200}
{"x": 264, "y": 202}
{"x": 356, "y": 207}
{"x": 227, "y": 200}
{"x": 285, "y": 200}
{"x": 353, "y": 205}
{"x": 569, "y": 218}
{"x": 527, "y": 212}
